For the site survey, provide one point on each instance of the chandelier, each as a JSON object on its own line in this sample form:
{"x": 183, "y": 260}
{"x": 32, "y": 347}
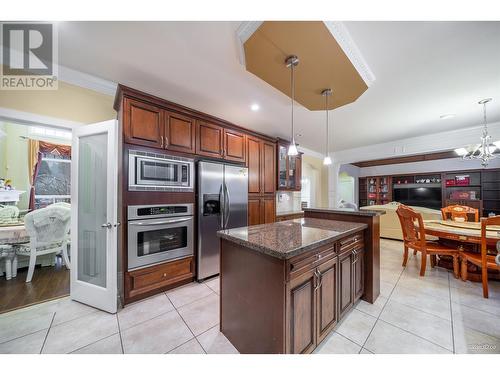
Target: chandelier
{"x": 485, "y": 151}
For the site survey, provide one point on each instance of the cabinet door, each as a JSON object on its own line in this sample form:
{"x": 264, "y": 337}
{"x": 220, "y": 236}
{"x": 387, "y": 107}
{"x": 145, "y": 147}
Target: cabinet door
{"x": 327, "y": 316}
{"x": 254, "y": 162}
{"x": 268, "y": 168}
{"x": 301, "y": 314}
{"x": 143, "y": 124}
{"x": 345, "y": 283}
{"x": 234, "y": 145}
{"x": 254, "y": 211}
{"x": 180, "y": 133}
{"x": 359, "y": 273}
{"x": 268, "y": 206}
{"x": 282, "y": 167}
{"x": 209, "y": 140}
{"x": 298, "y": 173}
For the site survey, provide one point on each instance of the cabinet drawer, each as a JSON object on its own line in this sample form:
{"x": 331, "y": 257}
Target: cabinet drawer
{"x": 304, "y": 262}
{"x": 147, "y": 279}
{"x": 351, "y": 242}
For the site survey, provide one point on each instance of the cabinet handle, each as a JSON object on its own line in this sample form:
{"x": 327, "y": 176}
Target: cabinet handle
{"x": 161, "y": 141}
{"x": 166, "y": 141}
{"x": 319, "y": 277}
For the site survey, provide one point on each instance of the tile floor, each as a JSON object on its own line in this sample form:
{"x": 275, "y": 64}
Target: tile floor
{"x": 434, "y": 314}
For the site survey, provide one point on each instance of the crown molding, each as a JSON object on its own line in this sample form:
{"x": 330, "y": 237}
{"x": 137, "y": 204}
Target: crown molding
{"x": 344, "y": 39}
{"x": 245, "y": 31}
{"x": 443, "y": 141}
{"x": 87, "y": 81}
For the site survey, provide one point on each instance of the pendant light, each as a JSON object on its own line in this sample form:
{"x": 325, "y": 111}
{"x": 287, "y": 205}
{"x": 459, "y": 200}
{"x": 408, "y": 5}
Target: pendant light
{"x": 291, "y": 62}
{"x": 327, "y": 160}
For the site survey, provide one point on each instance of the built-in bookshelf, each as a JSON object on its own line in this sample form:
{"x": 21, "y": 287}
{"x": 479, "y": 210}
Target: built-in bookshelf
{"x": 490, "y": 190}
{"x": 378, "y": 190}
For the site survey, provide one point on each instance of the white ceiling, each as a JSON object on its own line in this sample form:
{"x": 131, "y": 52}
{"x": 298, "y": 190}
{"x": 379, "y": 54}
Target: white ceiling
{"x": 422, "y": 69}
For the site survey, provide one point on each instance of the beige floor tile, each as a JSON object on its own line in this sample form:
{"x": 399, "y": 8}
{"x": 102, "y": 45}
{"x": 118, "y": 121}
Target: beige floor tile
{"x": 201, "y": 314}
{"x": 141, "y": 311}
{"x": 426, "y": 286}
{"x": 386, "y": 289}
{"x": 77, "y": 333}
{"x": 214, "y": 342}
{"x": 68, "y": 310}
{"x": 190, "y": 347}
{"x": 427, "y": 326}
{"x": 156, "y": 336}
{"x": 109, "y": 345}
{"x": 494, "y": 286}
{"x": 387, "y": 339}
{"x": 214, "y": 284}
{"x": 337, "y": 344}
{"x": 475, "y": 299}
{"x": 365, "y": 351}
{"x": 188, "y": 293}
{"x": 470, "y": 341}
{"x": 23, "y": 322}
{"x": 425, "y": 302}
{"x": 356, "y": 326}
{"x": 29, "y": 344}
{"x": 372, "y": 309}
{"x": 478, "y": 320}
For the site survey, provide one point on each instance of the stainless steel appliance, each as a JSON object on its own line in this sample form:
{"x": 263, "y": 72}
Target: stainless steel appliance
{"x": 222, "y": 204}
{"x": 149, "y": 171}
{"x": 159, "y": 233}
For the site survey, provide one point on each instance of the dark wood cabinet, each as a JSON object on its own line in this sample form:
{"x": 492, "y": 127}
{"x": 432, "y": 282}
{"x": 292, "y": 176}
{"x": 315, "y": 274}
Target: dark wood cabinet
{"x": 281, "y": 217}
{"x": 346, "y": 297}
{"x": 209, "y": 140}
{"x": 254, "y": 164}
{"x": 268, "y": 167}
{"x": 143, "y": 123}
{"x": 234, "y": 145}
{"x": 180, "y": 133}
{"x": 302, "y": 313}
{"x": 289, "y": 169}
{"x": 261, "y": 209}
{"x": 326, "y": 305}
{"x": 268, "y": 209}
{"x": 254, "y": 211}
{"x": 359, "y": 273}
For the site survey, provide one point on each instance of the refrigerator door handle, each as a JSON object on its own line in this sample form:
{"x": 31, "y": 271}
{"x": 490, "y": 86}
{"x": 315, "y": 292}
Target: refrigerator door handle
{"x": 227, "y": 201}
{"x": 221, "y": 206}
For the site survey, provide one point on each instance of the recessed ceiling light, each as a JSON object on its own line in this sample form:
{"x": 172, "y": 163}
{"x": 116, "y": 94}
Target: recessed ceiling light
{"x": 298, "y": 135}
{"x": 447, "y": 116}
{"x": 255, "y": 107}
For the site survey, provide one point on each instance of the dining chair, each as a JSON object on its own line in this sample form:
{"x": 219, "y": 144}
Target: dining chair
{"x": 457, "y": 211}
{"x": 48, "y": 230}
{"x": 483, "y": 260}
{"x": 412, "y": 226}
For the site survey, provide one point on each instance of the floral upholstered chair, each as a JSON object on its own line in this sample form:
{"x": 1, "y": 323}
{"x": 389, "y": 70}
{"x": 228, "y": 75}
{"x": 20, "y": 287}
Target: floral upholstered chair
{"x": 48, "y": 229}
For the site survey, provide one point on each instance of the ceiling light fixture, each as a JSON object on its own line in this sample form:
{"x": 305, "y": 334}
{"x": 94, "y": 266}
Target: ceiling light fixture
{"x": 291, "y": 62}
{"x": 327, "y": 160}
{"x": 483, "y": 151}
{"x": 255, "y": 107}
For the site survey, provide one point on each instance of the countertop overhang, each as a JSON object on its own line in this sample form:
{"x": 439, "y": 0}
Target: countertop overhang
{"x": 347, "y": 211}
{"x": 287, "y": 239}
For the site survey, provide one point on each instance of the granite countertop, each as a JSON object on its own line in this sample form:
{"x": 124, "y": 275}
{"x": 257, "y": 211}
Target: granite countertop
{"x": 286, "y": 213}
{"x": 289, "y": 238}
{"x": 347, "y": 211}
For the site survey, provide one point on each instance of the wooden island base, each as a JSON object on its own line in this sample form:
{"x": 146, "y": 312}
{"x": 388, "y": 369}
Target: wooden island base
{"x": 289, "y": 304}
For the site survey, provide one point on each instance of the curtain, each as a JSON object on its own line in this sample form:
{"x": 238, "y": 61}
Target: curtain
{"x": 34, "y": 158}
{"x": 35, "y": 151}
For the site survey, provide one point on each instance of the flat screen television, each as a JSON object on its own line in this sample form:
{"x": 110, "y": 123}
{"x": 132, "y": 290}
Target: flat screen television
{"x": 429, "y": 197}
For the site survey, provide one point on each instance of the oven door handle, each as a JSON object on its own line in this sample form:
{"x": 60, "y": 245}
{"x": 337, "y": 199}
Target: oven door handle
{"x": 173, "y": 221}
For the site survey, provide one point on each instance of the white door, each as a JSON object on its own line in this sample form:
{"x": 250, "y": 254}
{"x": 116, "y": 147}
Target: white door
{"x": 94, "y": 223}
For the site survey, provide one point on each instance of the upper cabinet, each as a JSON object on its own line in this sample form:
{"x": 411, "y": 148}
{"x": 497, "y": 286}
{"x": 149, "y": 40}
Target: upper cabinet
{"x": 142, "y": 123}
{"x": 234, "y": 145}
{"x": 209, "y": 140}
{"x": 289, "y": 175}
{"x": 261, "y": 164}
{"x": 180, "y": 133}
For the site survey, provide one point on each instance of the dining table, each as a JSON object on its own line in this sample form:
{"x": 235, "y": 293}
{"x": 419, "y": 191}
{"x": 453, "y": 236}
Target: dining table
{"x": 464, "y": 236}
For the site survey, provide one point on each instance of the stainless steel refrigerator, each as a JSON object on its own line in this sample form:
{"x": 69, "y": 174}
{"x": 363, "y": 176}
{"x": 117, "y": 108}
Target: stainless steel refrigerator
{"x": 222, "y": 204}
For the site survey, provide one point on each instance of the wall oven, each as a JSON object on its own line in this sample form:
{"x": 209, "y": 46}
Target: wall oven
{"x": 150, "y": 171}
{"x": 159, "y": 233}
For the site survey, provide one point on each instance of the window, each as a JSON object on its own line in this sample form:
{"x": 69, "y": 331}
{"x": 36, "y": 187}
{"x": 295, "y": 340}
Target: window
{"x": 53, "y": 181}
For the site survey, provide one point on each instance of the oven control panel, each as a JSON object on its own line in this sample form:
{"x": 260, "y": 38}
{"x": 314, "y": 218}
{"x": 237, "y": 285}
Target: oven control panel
{"x": 152, "y": 211}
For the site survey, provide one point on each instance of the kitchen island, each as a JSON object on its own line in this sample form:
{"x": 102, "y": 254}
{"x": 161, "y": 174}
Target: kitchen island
{"x": 285, "y": 285}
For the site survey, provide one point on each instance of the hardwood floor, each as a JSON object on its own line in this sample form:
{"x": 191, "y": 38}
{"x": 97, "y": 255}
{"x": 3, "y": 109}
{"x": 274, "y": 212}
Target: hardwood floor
{"x": 47, "y": 283}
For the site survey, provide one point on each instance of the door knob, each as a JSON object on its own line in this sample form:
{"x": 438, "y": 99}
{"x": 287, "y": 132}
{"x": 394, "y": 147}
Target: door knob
{"x": 107, "y": 225}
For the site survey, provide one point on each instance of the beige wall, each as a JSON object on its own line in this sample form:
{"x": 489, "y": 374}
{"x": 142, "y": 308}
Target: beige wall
{"x": 311, "y": 162}
{"x": 68, "y": 102}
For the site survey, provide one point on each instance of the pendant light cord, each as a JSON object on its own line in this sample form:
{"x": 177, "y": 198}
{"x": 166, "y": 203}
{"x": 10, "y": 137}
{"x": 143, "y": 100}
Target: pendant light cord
{"x": 292, "y": 66}
{"x": 327, "y": 125}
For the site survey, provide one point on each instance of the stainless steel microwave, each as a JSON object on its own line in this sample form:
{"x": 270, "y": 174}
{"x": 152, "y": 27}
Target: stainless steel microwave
{"x": 150, "y": 171}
